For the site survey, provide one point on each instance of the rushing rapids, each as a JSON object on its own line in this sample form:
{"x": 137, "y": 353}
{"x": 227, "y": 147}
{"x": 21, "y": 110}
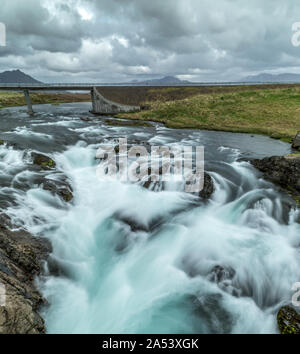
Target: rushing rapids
{"x": 127, "y": 259}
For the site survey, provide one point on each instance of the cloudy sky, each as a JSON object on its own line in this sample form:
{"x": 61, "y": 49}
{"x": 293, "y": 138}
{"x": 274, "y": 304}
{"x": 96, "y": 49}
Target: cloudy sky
{"x": 122, "y": 40}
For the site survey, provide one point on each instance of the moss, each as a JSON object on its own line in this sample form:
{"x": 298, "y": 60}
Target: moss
{"x": 288, "y": 321}
{"x": 49, "y": 163}
{"x": 2, "y": 142}
{"x": 68, "y": 196}
{"x": 43, "y": 161}
{"x": 286, "y": 139}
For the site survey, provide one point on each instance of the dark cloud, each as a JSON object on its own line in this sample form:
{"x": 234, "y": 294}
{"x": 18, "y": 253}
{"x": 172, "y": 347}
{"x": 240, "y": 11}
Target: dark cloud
{"x": 118, "y": 40}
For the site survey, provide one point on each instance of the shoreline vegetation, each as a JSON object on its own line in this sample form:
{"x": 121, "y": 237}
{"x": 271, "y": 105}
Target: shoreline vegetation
{"x": 272, "y": 110}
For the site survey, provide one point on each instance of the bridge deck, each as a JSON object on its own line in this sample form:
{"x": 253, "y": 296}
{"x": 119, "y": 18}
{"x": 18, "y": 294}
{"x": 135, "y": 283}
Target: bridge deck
{"x": 100, "y": 104}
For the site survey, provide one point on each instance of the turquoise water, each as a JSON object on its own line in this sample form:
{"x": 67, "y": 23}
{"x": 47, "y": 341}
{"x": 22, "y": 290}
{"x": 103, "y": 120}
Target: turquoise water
{"x": 129, "y": 260}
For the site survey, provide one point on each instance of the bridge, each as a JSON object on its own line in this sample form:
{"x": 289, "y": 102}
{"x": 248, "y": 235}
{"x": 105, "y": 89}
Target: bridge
{"x": 100, "y": 105}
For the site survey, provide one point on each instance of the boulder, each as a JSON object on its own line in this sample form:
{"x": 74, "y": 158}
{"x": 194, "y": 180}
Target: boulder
{"x": 43, "y": 161}
{"x": 21, "y": 257}
{"x": 62, "y": 189}
{"x": 288, "y": 321}
{"x": 208, "y": 187}
{"x": 296, "y": 141}
{"x": 283, "y": 171}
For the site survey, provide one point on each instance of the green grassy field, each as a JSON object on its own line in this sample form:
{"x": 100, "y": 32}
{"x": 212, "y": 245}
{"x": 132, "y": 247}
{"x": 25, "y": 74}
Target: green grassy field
{"x": 273, "y": 112}
{"x": 12, "y": 99}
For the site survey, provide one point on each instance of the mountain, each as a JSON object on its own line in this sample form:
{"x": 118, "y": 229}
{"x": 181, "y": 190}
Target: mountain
{"x": 165, "y": 81}
{"x": 272, "y": 78}
{"x": 17, "y": 77}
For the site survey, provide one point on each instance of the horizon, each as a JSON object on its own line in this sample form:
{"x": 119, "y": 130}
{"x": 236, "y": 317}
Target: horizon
{"x": 159, "y": 80}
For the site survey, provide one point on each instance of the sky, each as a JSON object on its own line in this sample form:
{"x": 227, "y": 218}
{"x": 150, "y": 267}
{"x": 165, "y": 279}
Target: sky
{"x": 124, "y": 40}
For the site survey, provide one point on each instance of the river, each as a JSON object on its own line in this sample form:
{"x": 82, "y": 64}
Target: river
{"x": 130, "y": 260}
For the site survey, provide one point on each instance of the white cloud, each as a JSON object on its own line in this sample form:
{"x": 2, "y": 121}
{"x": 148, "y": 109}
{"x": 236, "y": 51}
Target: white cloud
{"x": 125, "y": 39}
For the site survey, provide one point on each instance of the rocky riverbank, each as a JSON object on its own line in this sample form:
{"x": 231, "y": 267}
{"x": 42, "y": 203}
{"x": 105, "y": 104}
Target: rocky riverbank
{"x": 284, "y": 171}
{"x": 21, "y": 261}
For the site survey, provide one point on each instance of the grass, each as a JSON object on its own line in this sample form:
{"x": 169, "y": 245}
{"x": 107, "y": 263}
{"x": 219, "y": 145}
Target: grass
{"x": 274, "y": 112}
{"x": 12, "y": 99}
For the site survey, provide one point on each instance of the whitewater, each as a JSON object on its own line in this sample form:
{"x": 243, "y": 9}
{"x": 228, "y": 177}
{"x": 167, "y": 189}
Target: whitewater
{"x": 127, "y": 259}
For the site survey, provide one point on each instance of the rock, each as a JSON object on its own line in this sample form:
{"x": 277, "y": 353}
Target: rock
{"x": 208, "y": 187}
{"x": 21, "y": 257}
{"x": 43, "y": 161}
{"x": 220, "y": 273}
{"x": 145, "y": 107}
{"x": 60, "y": 188}
{"x": 283, "y": 171}
{"x": 214, "y": 316}
{"x": 288, "y": 321}
{"x": 296, "y": 141}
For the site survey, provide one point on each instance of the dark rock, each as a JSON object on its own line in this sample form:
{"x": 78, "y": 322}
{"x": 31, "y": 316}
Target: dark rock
{"x": 288, "y": 321}
{"x": 283, "y": 171}
{"x": 208, "y": 187}
{"x": 296, "y": 141}
{"x": 43, "y": 161}
{"x": 62, "y": 189}
{"x": 21, "y": 258}
{"x": 213, "y": 314}
{"x": 219, "y": 274}
{"x": 145, "y": 107}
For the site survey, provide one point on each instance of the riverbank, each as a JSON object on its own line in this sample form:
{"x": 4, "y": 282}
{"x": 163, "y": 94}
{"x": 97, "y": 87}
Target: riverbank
{"x": 274, "y": 112}
{"x": 21, "y": 262}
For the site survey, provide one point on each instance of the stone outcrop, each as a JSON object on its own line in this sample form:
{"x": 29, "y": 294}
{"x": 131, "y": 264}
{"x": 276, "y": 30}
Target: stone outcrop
{"x": 21, "y": 257}
{"x": 296, "y": 141}
{"x": 60, "y": 188}
{"x": 288, "y": 321}
{"x": 208, "y": 187}
{"x": 43, "y": 161}
{"x": 283, "y": 171}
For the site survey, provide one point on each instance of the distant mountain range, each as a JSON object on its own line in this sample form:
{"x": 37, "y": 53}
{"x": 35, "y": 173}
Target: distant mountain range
{"x": 17, "y": 77}
{"x": 273, "y": 78}
{"x": 167, "y": 80}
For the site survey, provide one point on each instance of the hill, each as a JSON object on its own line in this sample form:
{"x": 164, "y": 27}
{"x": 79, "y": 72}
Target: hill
{"x": 17, "y": 77}
{"x": 165, "y": 81}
